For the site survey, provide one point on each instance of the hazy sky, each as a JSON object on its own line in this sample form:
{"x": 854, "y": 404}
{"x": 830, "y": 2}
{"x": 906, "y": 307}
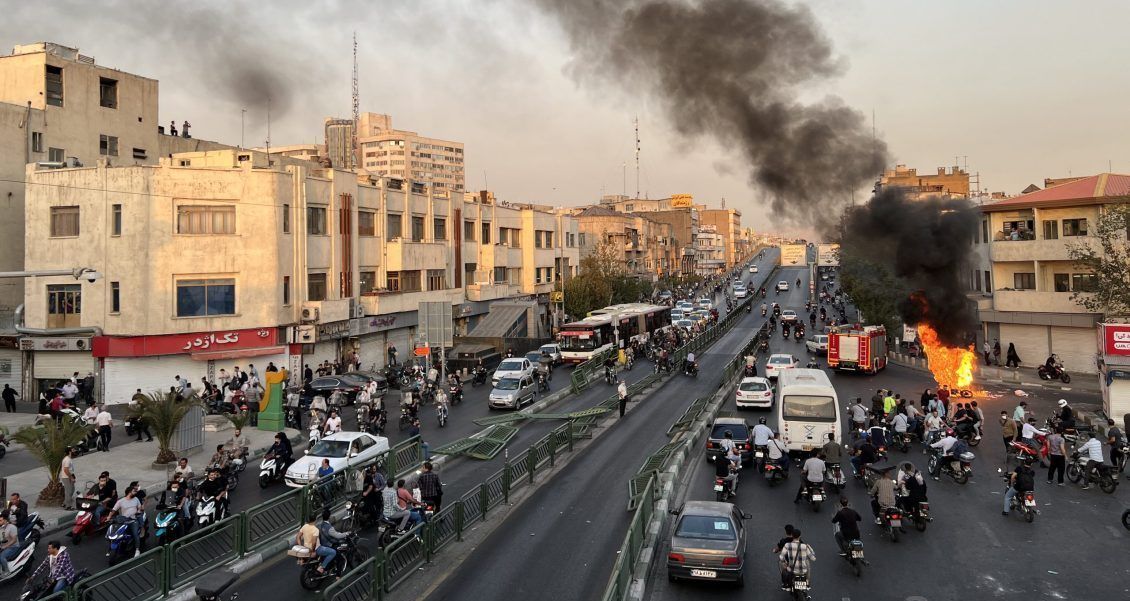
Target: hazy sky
{"x": 1025, "y": 89}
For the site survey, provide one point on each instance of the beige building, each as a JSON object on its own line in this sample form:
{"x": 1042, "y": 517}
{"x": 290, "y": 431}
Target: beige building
{"x": 678, "y": 211}
{"x": 728, "y": 224}
{"x": 648, "y": 246}
{"x": 710, "y": 251}
{"x": 1031, "y": 277}
{"x": 407, "y": 155}
{"x": 217, "y": 258}
{"x": 951, "y": 183}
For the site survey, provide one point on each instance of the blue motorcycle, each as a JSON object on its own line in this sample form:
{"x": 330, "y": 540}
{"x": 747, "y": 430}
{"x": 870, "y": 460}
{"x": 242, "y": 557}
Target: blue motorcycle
{"x": 123, "y": 547}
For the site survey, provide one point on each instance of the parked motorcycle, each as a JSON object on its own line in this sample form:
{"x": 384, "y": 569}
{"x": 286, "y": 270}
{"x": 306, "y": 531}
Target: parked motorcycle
{"x": 1056, "y": 373}
{"x": 1103, "y": 475}
{"x": 958, "y": 468}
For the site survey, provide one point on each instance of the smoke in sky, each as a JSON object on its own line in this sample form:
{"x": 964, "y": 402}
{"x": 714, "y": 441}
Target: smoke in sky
{"x": 735, "y": 70}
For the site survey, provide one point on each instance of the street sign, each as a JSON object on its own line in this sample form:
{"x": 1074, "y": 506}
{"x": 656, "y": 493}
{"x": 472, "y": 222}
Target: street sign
{"x": 557, "y": 296}
{"x": 436, "y": 326}
{"x": 422, "y": 351}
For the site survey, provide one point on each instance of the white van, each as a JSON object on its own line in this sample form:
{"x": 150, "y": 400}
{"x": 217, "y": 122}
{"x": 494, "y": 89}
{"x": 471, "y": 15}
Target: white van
{"x": 808, "y": 409}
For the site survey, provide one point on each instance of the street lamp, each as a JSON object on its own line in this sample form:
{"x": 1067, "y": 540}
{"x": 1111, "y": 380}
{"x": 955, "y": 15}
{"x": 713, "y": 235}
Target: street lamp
{"x": 79, "y": 273}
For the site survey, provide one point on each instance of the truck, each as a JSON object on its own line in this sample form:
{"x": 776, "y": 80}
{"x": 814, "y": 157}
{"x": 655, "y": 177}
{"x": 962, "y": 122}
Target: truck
{"x": 853, "y": 347}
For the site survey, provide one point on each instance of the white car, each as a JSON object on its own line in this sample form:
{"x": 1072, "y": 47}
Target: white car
{"x": 754, "y": 392}
{"x": 685, "y": 305}
{"x": 514, "y": 367}
{"x": 554, "y": 352}
{"x": 817, "y": 344}
{"x": 753, "y": 268}
{"x": 741, "y": 292}
{"x": 788, "y": 315}
{"x": 686, "y": 324}
{"x": 676, "y": 315}
{"x": 343, "y": 449}
{"x": 783, "y": 286}
{"x": 705, "y": 303}
{"x": 778, "y": 362}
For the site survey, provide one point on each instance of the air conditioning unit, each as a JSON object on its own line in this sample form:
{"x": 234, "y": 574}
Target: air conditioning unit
{"x": 358, "y": 309}
{"x": 310, "y": 313}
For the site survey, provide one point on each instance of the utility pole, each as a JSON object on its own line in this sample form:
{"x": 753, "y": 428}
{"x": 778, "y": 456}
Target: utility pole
{"x": 268, "y": 131}
{"x": 356, "y": 144}
{"x": 242, "y": 129}
{"x": 637, "y": 122}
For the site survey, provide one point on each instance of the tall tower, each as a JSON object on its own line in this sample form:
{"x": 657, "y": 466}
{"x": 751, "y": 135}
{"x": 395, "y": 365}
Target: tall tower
{"x": 355, "y": 141}
{"x": 637, "y": 122}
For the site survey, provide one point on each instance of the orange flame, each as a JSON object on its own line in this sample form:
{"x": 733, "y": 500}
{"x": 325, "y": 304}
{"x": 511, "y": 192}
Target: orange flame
{"x": 951, "y": 366}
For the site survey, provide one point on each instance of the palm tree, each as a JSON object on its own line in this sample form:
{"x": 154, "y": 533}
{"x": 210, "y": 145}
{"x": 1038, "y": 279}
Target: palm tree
{"x": 238, "y": 420}
{"x": 48, "y": 443}
{"x": 163, "y": 412}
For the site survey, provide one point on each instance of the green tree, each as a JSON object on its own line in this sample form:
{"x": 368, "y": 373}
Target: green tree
{"x": 872, "y": 289}
{"x": 238, "y": 420}
{"x": 48, "y": 443}
{"x": 163, "y": 412}
{"x": 1107, "y": 255}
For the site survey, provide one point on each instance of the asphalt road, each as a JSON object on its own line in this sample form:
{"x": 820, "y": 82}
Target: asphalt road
{"x": 561, "y": 545}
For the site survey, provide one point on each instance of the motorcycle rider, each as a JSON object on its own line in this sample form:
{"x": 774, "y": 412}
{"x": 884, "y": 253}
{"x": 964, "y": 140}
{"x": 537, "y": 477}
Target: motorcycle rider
{"x": 832, "y": 451}
{"x": 813, "y": 470}
{"x": 58, "y": 566}
{"x": 1066, "y": 415}
{"x": 691, "y": 365}
{"x": 1052, "y": 365}
{"x": 1021, "y": 480}
{"x": 946, "y": 445}
{"x": 796, "y": 559}
{"x": 847, "y": 522}
{"x": 1093, "y": 450}
{"x": 9, "y": 540}
{"x": 393, "y": 510}
{"x": 1117, "y": 442}
{"x": 882, "y": 495}
{"x": 609, "y": 366}
{"x": 933, "y": 426}
{"x": 764, "y": 309}
{"x": 327, "y": 533}
{"x": 309, "y": 536}
{"x": 778, "y": 452}
{"x": 864, "y": 454}
{"x": 106, "y": 491}
{"x": 1029, "y": 431}
{"x": 282, "y": 451}
{"x": 762, "y": 434}
{"x": 723, "y": 468}
{"x": 238, "y": 445}
{"x": 858, "y": 415}
{"x": 912, "y": 486}
{"x": 216, "y": 486}
{"x": 130, "y": 508}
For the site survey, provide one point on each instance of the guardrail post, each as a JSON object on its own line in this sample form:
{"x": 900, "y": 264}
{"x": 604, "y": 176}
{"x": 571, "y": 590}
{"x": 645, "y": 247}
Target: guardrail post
{"x": 483, "y": 499}
{"x": 569, "y": 431}
{"x": 390, "y": 464}
{"x": 531, "y": 461}
{"x": 553, "y": 448}
{"x": 429, "y": 541}
{"x": 460, "y": 517}
{"x": 507, "y": 477}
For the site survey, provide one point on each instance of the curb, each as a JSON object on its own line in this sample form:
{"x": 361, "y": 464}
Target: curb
{"x": 920, "y": 365}
{"x": 240, "y": 566}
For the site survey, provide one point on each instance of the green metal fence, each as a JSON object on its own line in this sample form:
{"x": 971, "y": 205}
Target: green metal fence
{"x": 203, "y": 550}
{"x": 363, "y": 583}
{"x": 142, "y": 578}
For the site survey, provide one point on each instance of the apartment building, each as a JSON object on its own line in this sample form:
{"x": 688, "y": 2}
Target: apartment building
{"x": 220, "y": 258}
{"x": 407, "y": 155}
{"x": 1030, "y": 275}
{"x": 648, "y": 246}
{"x": 678, "y": 211}
{"x": 728, "y": 224}
{"x": 951, "y": 183}
{"x": 710, "y": 251}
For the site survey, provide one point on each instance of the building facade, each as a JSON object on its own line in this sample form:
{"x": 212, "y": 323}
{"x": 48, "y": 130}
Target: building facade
{"x": 218, "y": 258}
{"x": 648, "y": 246}
{"x": 951, "y": 183}
{"x": 407, "y": 155}
{"x": 727, "y": 224}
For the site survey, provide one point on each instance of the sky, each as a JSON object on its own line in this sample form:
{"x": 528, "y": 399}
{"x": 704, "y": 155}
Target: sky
{"x": 1017, "y": 90}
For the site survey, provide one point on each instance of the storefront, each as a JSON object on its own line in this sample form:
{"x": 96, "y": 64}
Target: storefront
{"x": 372, "y": 335}
{"x": 1114, "y": 369}
{"x": 152, "y": 363}
{"x": 11, "y": 363}
{"x": 50, "y": 360}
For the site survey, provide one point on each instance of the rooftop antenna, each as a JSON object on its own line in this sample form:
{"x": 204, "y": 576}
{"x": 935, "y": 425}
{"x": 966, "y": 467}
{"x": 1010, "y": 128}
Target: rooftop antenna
{"x": 356, "y": 144}
{"x": 268, "y": 131}
{"x": 637, "y": 122}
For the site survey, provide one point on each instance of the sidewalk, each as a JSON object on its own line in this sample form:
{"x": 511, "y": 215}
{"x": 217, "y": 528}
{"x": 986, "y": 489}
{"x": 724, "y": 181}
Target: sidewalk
{"x": 1021, "y": 377}
{"x": 126, "y": 461}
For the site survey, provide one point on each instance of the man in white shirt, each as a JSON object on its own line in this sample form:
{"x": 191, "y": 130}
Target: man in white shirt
{"x": 333, "y": 423}
{"x": 813, "y": 470}
{"x": 946, "y": 445}
{"x": 104, "y": 422}
{"x": 90, "y": 413}
{"x": 70, "y": 391}
{"x": 1029, "y": 431}
{"x": 1093, "y": 451}
{"x": 899, "y": 423}
{"x": 762, "y": 434}
{"x": 858, "y": 415}
{"x": 778, "y": 451}
{"x": 933, "y": 425}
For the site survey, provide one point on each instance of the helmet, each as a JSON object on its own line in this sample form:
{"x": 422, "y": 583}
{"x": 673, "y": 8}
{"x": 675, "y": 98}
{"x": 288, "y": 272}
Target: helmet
{"x": 761, "y": 420}
{"x": 1062, "y": 402}
{"x": 949, "y": 432}
{"x": 728, "y": 434}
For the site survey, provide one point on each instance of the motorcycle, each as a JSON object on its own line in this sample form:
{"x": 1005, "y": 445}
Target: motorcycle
{"x": 799, "y": 587}
{"x": 122, "y": 544}
{"x": 763, "y": 311}
{"x": 84, "y": 522}
{"x": 357, "y": 517}
{"x": 750, "y": 371}
{"x": 167, "y": 523}
{"x": 854, "y": 556}
{"x": 774, "y": 472}
{"x": 749, "y": 307}
{"x": 690, "y": 368}
{"x": 968, "y": 432}
{"x": 441, "y": 414}
{"x": 270, "y": 469}
{"x": 813, "y": 493}
{"x": 455, "y": 393}
{"x": 629, "y": 362}
{"x": 763, "y": 346}
{"x": 945, "y": 465}
{"x": 41, "y": 587}
{"x": 479, "y": 378}
{"x": 314, "y": 434}
{"x": 610, "y": 376}
{"x": 891, "y": 521}
{"x": 1029, "y": 454}
{"x": 363, "y": 411}
{"x": 723, "y": 490}
{"x": 543, "y": 384}
{"x": 405, "y": 419}
{"x": 919, "y": 513}
{"x": 1024, "y": 502}
{"x": 350, "y": 554}
{"x": 1056, "y": 373}
{"x": 22, "y": 562}
{"x": 834, "y": 475}
{"x": 798, "y": 334}
{"x": 208, "y": 511}
{"x": 1103, "y": 474}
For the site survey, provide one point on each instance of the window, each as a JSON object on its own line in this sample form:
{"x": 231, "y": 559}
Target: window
{"x": 469, "y": 272}
{"x": 64, "y": 305}
{"x": 108, "y": 92}
{"x": 439, "y": 228}
{"x": 1074, "y": 227}
{"x": 1061, "y": 281}
{"x": 64, "y": 222}
{"x": 56, "y": 155}
{"x": 368, "y": 281}
{"x": 108, "y": 145}
{"x": 366, "y": 223}
{"x": 437, "y": 279}
{"x": 316, "y": 287}
{"x": 988, "y": 282}
{"x": 499, "y": 275}
{"x": 515, "y": 275}
{"x": 1051, "y": 229}
{"x": 985, "y": 231}
{"x": 417, "y": 228}
{"x": 537, "y": 275}
{"x": 976, "y": 281}
{"x": 206, "y": 219}
{"x": 392, "y": 280}
{"x": 468, "y": 231}
{"x": 394, "y": 227}
{"x": 316, "y": 221}
{"x": 1083, "y": 282}
{"x": 54, "y": 85}
{"x": 403, "y": 281}
{"x": 115, "y": 298}
{"x": 115, "y": 220}
{"x": 538, "y": 239}
{"x": 286, "y": 290}
{"x": 1024, "y": 281}
{"x": 582, "y": 238}
{"x": 485, "y": 239}
{"x": 201, "y": 298}
{"x": 139, "y": 153}
{"x": 37, "y": 141}
{"x": 286, "y": 218}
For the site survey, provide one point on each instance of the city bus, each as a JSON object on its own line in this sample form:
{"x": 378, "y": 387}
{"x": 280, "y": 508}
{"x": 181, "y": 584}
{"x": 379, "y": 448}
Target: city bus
{"x": 808, "y": 409}
{"x": 598, "y": 332}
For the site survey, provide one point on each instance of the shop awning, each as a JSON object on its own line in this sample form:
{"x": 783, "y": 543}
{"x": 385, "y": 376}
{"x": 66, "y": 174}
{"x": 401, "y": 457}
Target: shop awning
{"x": 239, "y": 353}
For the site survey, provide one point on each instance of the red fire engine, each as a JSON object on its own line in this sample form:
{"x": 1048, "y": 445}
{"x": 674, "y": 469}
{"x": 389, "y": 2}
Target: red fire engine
{"x": 857, "y": 348}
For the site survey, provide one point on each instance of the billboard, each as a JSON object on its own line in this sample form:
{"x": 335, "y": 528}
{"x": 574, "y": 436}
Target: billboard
{"x": 682, "y": 201}
{"x": 828, "y": 255}
{"x": 1116, "y": 338}
{"x": 793, "y": 255}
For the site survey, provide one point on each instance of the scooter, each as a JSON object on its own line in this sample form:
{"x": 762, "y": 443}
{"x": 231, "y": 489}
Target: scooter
{"x": 208, "y": 511}
{"x": 122, "y": 545}
{"x": 314, "y": 433}
{"x": 84, "y": 522}
{"x": 441, "y": 414}
{"x": 774, "y": 472}
{"x": 270, "y": 469}
{"x": 21, "y": 563}
{"x": 167, "y": 523}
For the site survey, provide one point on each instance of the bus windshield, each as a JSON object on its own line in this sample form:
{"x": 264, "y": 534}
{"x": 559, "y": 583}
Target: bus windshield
{"x": 809, "y": 408}
{"x": 577, "y": 343}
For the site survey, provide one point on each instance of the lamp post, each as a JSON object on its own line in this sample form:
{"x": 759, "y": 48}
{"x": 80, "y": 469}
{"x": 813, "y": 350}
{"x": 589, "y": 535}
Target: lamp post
{"x": 79, "y": 273}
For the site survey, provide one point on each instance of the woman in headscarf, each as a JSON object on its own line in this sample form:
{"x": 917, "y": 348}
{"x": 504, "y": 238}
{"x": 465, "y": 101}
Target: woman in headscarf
{"x": 1013, "y": 358}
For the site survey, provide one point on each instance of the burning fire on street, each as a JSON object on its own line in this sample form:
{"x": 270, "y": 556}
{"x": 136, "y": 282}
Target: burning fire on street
{"x": 951, "y": 366}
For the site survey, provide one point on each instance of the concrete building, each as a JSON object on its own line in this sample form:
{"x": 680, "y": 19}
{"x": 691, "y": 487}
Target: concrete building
{"x": 648, "y": 246}
{"x": 728, "y": 224}
{"x": 710, "y": 251}
{"x": 678, "y": 211}
{"x": 407, "y": 155}
{"x": 217, "y": 258}
{"x": 952, "y": 183}
{"x": 1031, "y": 278}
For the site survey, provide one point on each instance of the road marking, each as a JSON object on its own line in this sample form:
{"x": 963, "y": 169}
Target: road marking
{"x": 990, "y": 534}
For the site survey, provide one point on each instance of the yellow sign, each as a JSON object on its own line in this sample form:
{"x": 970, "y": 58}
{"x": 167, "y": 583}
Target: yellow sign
{"x": 682, "y": 201}
{"x": 793, "y": 255}
{"x": 557, "y": 296}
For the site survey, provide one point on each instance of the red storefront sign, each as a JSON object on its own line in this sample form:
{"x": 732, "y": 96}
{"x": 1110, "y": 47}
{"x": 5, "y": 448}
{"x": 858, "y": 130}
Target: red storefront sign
{"x": 178, "y": 344}
{"x": 1116, "y": 338}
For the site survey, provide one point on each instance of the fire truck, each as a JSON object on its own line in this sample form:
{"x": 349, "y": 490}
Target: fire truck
{"x": 853, "y": 347}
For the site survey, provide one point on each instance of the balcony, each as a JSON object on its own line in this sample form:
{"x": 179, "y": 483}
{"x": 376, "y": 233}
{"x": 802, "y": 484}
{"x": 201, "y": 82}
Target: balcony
{"x": 484, "y": 292}
{"x": 1033, "y": 301}
{"x": 413, "y": 256}
{"x": 1036, "y": 250}
{"x": 384, "y": 303}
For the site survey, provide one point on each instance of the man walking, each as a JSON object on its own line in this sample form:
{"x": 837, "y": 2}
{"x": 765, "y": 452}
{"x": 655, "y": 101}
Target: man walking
{"x": 104, "y": 422}
{"x": 9, "y": 395}
{"x": 431, "y": 489}
{"x": 1008, "y": 432}
{"x": 67, "y": 477}
{"x": 1057, "y": 455}
{"x": 622, "y": 391}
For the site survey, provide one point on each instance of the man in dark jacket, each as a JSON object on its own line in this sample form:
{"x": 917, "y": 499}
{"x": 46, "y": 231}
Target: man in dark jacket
{"x": 431, "y": 489}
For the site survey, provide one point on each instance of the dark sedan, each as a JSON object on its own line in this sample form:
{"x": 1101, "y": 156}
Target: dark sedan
{"x": 708, "y": 542}
{"x": 371, "y": 376}
{"x": 349, "y": 385}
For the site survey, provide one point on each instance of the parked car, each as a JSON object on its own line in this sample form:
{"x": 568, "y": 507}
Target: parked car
{"x": 817, "y": 344}
{"x": 347, "y": 384}
{"x": 512, "y": 392}
{"x": 743, "y": 437}
{"x": 783, "y": 286}
{"x": 776, "y": 363}
{"x": 370, "y": 376}
{"x": 708, "y": 542}
{"x": 343, "y": 449}
{"x": 554, "y": 351}
{"x": 754, "y": 392}
{"x": 514, "y": 367}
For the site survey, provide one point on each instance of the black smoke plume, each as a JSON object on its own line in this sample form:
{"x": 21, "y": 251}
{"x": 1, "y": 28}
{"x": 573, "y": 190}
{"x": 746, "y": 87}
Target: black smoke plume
{"x": 733, "y": 70}
{"x": 925, "y": 245}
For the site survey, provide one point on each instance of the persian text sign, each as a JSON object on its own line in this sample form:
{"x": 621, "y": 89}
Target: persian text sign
{"x": 176, "y": 344}
{"x": 1116, "y": 338}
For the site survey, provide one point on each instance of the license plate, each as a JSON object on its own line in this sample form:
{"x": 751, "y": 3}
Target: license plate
{"x": 857, "y": 554}
{"x": 806, "y": 448}
{"x": 718, "y": 487}
{"x": 896, "y": 523}
{"x": 1029, "y": 502}
{"x": 800, "y": 585}
{"x": 760, "y": 454}
{"x": 817, "y": 497}
{"x": 704, "y": 573}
